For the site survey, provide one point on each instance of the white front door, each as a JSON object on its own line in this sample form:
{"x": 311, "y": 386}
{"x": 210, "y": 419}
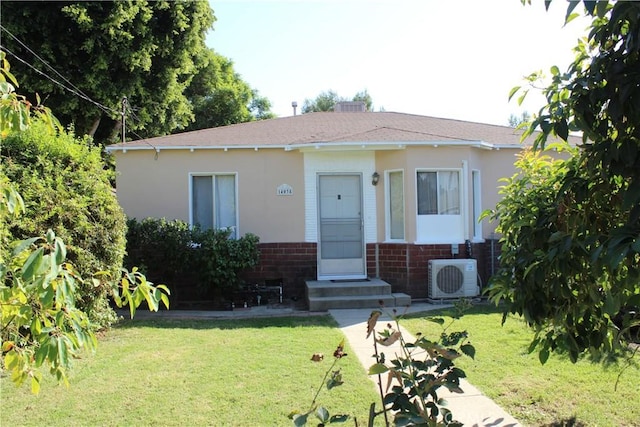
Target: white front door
{"x": 341, "y": 251}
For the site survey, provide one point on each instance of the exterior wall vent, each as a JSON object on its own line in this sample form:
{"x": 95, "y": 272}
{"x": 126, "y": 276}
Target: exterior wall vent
{"x": 350, "y": 107}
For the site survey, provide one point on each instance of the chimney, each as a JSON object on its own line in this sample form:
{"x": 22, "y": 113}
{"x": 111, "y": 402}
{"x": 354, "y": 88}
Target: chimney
{"x": 350, "y": 107}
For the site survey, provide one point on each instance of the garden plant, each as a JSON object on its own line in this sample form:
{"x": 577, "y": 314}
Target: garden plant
{"x": 570, "y": 229}
{"x": 193, "y": 262}
{"x": 413, "y": 377}
{"x": 44, "y": 321}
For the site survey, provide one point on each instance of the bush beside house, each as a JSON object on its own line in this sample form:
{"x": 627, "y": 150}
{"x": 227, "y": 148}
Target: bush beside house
{"x": 200, "y": 267}
{"x": 66, "y": 188}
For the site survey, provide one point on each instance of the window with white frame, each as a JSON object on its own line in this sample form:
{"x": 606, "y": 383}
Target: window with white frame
{"x": 439, "y": 216}
{"x": 438, "y": 192}
{"x": 395, "y": 205}
{"x": 213, "y": 201}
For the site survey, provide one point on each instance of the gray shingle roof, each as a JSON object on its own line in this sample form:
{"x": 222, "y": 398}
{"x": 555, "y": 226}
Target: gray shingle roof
{"x": 331, "y": 127}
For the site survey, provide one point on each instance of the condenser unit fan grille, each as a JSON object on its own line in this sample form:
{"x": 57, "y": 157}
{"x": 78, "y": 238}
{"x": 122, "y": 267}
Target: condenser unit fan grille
{"x": 450, "y": 279}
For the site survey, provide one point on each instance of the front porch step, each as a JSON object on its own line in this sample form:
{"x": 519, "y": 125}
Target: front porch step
{"x": 325, "y": 295}
{"x": 331, "y": 288}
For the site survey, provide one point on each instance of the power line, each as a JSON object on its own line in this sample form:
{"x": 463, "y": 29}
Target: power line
{"x": 104, "y": 108}
{"x": 43, "y": 61}
{"x": 75, "y": 90}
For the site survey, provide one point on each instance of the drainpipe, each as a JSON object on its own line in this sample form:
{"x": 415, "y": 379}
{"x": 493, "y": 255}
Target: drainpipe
{"x": 377, "y": 261}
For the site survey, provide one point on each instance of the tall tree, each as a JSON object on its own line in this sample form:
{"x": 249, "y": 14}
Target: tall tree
{"x": 515, "y": 121}
{"x": 570, "y": 260}
{"x": 326, "y": 101}
{"x": 366, "y": 98}
{"x": 147, "y": 51}
{"x": 220, "y": 97}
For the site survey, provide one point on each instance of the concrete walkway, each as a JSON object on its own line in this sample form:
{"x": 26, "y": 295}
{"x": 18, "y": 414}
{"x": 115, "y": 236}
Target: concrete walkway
{"x": 472, "y": 408}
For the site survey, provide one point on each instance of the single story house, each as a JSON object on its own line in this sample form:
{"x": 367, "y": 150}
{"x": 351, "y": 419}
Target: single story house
{"x": 332, "y": 195}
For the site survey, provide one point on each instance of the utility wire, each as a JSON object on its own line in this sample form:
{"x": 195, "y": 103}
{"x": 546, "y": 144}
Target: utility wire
{"x": 43, "y": 61}
{"x": 75, "y": 90}
{"x": 104, "y": 108}
{"x": 80, "y": 95}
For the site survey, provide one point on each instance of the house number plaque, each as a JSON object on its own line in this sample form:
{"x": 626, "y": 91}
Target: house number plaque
{"x": 284, "y": 190}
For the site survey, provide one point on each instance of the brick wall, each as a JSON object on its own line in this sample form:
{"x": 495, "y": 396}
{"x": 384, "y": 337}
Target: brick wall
{"x": 294, "y": 263}
{"x": 403, "y": 265}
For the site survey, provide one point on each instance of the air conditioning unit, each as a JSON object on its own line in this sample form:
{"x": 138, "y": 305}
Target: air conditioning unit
{"x": 452, "y": 278}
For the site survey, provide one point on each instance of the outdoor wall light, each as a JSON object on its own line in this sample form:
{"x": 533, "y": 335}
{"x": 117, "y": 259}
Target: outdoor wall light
{"x": 375, "y": 178}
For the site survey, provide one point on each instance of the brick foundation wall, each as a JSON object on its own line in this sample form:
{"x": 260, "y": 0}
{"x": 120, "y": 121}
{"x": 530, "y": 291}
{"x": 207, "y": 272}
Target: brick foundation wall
{"x": 294, "y": 263}
{"x": 403, "y": 265}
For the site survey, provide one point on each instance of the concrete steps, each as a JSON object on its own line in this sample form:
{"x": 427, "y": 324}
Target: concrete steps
{"x": 328, "y": 294}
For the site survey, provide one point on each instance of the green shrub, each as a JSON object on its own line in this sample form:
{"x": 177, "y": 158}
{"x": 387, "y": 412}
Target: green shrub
{"x": 160, "y": 248}
{"x": 208, "y": 260}
{"x": 66, "y": 188}
{"x": 218, "y": 259}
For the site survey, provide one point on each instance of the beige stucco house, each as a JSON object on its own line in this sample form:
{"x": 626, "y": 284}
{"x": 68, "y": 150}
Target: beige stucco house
{"x": 332, "y": 196}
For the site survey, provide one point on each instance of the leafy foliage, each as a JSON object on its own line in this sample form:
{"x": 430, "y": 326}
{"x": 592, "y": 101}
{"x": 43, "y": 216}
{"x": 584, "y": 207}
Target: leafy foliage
{"x": 39, "y": 321}
{"x": 326, "y": 101}
{"x": 40, "y": 324}
{"x": 414, "y": 377}
{"x": 420, "y": 370}
{"x": 15, "y": 110}
{"x": 547, "y": 271}
{"x": 220, "y": 97}
{"x": 174, "y": 251}
{"x": 145, "y": 50}
{"x": 332, "y": 378}
{"x": 67, "y": 189}
{"x": 570, "y": 260}
{"x": 152, "y": 52}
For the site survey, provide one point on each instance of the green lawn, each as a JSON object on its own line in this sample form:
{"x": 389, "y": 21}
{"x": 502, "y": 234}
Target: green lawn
{"x": 197, "y": 373}
{"x": 253, "y": 372}
{"x": 536, "y": 394}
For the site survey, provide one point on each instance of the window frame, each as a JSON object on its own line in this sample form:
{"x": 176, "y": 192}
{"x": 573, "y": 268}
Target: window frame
{"x": 437, "y": 171}
{"x": 215, "y": 200}
{"x": 388, "y": 206}
{"x": 440, "y": 228}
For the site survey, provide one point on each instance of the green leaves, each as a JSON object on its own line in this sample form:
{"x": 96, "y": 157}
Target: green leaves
{"x": 543, "y": 355}
{"x": 413, "y": 377}
{"x": 468, "y": 350}
{"x": 37, "y": 309}
{"x": 335, "y": 380}
{"x": 377, "y": 368}
{"x": 513, "y": 91}
{"x": 133, "y": 288}
{"x": 174, "y": 252}
{"x": 33, "y": 265}
{"x": 568, "y": 249}
{"x": 66, "y": 188}
{"x": 159, "y": 46}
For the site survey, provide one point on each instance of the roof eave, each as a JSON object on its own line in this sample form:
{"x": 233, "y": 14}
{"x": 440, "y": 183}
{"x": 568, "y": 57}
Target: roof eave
{"x": 324, "y": 145}
{"x": 192, "y": 148}
{"x": 395, "y": 145}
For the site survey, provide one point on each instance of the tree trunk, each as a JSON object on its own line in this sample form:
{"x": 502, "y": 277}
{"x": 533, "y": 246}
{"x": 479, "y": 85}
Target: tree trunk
{"x": 116, "y": 132}
{"x": 95, "y": 125}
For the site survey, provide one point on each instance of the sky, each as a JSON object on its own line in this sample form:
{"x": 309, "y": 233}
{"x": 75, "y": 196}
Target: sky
{"x": 444, "y": 58}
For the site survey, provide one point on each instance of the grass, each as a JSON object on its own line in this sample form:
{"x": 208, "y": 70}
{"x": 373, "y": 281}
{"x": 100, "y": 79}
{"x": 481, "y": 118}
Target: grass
{"x": 558, "y": 393}
{"x": 250, "y": 372}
